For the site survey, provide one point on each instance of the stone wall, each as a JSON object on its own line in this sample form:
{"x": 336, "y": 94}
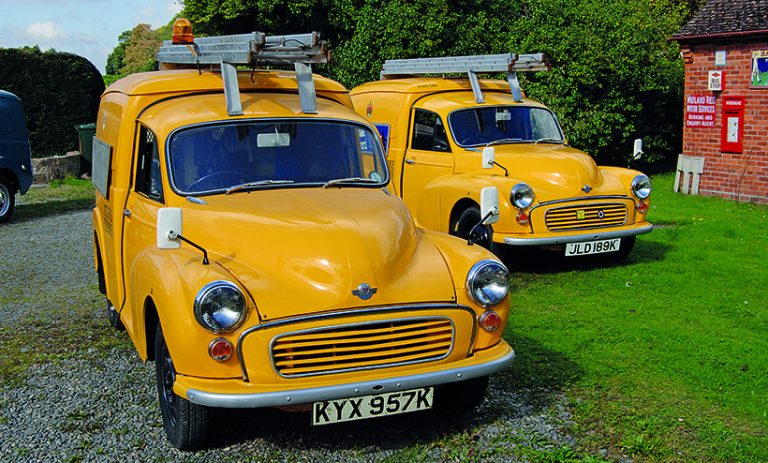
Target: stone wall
{"x": 738, "y": 176}
{"x": 56, "y": 167}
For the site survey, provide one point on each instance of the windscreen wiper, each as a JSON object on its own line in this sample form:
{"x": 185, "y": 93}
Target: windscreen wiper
{"x": 549, "y": 140}
{"x": 504, "y": 140}
{"x": 256, "y": 184}
{"x": 338, "y": 181}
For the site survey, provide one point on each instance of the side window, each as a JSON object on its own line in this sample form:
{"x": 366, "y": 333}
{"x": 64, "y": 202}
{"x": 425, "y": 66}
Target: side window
{"x": 429, "y": 132}
{"x": 148, "y": 179}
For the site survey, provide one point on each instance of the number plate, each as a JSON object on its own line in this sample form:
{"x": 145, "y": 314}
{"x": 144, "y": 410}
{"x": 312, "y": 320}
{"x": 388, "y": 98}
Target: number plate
{"x": 371, "y": 406}
{"x": 592, "y": 247}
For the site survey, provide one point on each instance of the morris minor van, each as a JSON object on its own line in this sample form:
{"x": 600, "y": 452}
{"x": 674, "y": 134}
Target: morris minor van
{"x": 447, "y": 138}
{"x": 247, "y": 238}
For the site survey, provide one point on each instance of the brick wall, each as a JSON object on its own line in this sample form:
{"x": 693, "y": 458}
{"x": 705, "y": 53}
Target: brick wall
{"x": 741, "y": 177}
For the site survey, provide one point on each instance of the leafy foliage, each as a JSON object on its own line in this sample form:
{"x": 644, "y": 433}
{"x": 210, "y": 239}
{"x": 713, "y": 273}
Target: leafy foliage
{"x": 58, "y": 92}
{"x": 135, "y": 51}
{"x": 615, "y": 76}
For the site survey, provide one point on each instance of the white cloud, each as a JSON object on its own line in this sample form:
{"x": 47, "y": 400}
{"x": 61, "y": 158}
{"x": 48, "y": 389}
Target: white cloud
{"x": 46, "y": 30}
{"x": 172, "y": 8}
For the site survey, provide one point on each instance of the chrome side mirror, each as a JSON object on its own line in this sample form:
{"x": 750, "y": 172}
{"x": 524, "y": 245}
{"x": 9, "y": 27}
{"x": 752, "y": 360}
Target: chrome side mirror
{"x": 489, "y": 157}
{"x": 168, "y": 228}
{"x": 489, "y": 205}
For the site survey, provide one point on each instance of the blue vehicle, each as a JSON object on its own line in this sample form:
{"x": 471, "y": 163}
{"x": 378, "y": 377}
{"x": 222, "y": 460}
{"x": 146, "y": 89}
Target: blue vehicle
{"x": 15, "y": 154}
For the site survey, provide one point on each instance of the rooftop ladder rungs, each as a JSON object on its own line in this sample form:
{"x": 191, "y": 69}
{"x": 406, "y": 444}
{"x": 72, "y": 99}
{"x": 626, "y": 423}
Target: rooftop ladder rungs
{"x": 506, "y": 62}
{"x": 229, "y": 51}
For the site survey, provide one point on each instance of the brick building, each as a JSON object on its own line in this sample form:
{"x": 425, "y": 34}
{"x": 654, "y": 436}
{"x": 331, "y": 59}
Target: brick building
{"x": 725, "y": 49}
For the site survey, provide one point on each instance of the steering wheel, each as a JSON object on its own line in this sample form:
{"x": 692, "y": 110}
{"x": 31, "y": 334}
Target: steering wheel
{"x": 224, "y": 178}
{"x": 477, "y": 140}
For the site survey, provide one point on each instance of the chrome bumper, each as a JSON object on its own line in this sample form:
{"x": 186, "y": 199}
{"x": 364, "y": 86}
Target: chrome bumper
{"x": 302, "y": 396}
{"x": 550, "y": 241}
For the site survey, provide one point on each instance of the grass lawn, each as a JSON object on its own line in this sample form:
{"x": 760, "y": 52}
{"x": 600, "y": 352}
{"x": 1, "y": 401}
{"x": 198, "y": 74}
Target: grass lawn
{"x": 665, "y": 355}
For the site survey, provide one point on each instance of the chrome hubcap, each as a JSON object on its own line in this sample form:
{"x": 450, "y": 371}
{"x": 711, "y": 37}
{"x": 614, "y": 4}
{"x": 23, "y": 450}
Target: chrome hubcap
{"x": 4, "y": 199}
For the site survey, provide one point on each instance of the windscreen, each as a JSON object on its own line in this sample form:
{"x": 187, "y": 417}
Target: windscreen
{"x": 504, "y": 124}
{"x": 217, "y": 157}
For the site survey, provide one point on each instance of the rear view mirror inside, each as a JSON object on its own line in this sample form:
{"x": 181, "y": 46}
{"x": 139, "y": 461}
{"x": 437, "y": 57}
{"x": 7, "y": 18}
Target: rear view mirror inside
{"x": 266, "y": 140}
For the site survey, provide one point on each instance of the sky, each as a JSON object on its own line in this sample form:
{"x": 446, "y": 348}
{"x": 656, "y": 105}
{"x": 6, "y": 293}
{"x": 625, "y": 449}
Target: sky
{"x": 88, "y": 28}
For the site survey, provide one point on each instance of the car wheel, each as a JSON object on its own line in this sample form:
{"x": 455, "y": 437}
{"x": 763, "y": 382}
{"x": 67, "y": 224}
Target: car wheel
{"x": 626, "y": 246}
{"x": 114, "y": 317}
{"x": 467, "y": 221}
{"x": 462, "y": 396}
{"x": 7, "y": 199}
{"x": 185, "y": 423}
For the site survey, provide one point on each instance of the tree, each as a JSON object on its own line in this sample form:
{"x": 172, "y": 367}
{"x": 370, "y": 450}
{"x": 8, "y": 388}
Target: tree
{"x": 614, "y": 76}
{"x": 58, "y": 91}
{"x": 136, "y": 51}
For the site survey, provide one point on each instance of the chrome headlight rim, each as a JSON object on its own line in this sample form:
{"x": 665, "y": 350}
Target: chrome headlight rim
{"x": 637, "y": 188}
{"x": 475, "y": 271}
{"x": 531, "y": 196}
{"x": 205, "y": 292}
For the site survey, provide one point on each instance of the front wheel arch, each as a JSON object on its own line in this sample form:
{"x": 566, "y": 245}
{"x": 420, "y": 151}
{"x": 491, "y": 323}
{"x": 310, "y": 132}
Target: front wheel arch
{"x": 459, "y": 208}
{"x": 151, "y": 322}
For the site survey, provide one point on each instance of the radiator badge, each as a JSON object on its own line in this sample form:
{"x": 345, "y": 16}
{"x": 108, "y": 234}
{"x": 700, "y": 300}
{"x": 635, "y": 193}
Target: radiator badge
{"x": 586, "y": 188}
{"x": 364, "y": 291}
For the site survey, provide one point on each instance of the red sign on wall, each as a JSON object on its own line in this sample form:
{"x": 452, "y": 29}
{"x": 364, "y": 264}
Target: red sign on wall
{"x": 700, "y": 111}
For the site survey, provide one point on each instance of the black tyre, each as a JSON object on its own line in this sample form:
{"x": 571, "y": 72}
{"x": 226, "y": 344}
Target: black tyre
{"x": 466, "y": 223}
{"x": 185, "y": 423}
{"x": 462, "y": 396}
{"x": 625, "y": 248}
{"x": 7, "y": 199}
{"x": 114, "y": 317}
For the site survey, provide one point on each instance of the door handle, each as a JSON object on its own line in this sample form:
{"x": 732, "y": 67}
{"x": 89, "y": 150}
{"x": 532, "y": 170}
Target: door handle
{"x": 127, "y": 213}
{"x": 410, "y": 161}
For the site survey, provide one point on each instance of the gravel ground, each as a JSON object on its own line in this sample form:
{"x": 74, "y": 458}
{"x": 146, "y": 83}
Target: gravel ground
{"x": 97, "y": 405}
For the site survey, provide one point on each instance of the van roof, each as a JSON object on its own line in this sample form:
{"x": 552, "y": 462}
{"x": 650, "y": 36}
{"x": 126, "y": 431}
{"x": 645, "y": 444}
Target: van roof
{"x": 191, "y": 80}
{"x": 428, "y": 85}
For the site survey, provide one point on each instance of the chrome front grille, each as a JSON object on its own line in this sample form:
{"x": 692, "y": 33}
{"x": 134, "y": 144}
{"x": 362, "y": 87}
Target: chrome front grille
{"x": 585, "y": 217}
{"x": 362, "y": 346}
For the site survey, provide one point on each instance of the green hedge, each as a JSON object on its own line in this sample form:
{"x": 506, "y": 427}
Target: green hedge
{"x": 58, "y": 91}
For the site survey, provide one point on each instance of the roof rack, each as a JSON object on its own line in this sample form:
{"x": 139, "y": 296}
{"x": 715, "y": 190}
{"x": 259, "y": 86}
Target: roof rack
{"x": 506, "y": 62}
{"x": 252, "y": 49}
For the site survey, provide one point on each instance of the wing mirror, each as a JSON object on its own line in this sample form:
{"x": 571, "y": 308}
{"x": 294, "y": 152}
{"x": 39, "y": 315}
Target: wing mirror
{"x": 168, "y": 228}
{"x": 489, "y": 205}
{"x": 169, "y": 231}
{"x": 637, "y": 152}
{"x": 489, "y": 213}
{"x": 489, "y": 157}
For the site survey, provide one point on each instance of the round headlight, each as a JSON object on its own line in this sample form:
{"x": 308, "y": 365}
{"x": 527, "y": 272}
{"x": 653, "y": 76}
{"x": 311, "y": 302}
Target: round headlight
{"x": 641, "y": 186}
{"x": 220, "y": 306}
{"x": 521, "y": 195}
{"x": 488, "y": 282}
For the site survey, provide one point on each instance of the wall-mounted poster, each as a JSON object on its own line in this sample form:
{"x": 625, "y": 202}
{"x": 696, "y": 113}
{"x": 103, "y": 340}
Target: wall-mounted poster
{"x": 760, "y": 68}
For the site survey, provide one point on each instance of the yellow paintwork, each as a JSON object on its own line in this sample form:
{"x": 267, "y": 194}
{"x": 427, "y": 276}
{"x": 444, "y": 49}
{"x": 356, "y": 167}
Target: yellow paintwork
{"x": 292, "y": 251}
{"x": 440, "y": 184}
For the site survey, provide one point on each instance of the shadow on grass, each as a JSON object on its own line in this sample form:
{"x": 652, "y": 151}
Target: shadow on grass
{"x": 541, "y": 261}
{"x": 529, "y": 386}
{"x": 25, "y": 212}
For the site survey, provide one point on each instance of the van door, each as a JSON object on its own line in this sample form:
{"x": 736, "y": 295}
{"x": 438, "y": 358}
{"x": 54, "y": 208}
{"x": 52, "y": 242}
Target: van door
{"x": 140, "y": 217}
{"x": 427, "y": 158}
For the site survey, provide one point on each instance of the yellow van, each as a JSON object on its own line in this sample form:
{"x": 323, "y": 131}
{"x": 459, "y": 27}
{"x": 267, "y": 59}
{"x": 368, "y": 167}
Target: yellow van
{"x": 448, "y": 138}
{"x": 247, "y": 237}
